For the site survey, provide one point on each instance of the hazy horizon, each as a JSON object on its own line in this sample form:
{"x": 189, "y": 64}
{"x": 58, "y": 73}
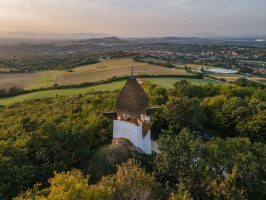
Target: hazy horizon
{"x": 138, "y": 18}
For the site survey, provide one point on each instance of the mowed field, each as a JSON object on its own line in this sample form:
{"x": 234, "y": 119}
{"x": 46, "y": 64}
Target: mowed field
{"x": 22, "y": 80}
{"x": 97, "y": 72}
{"x": 164, "y": 82}
{"x": 46, "y": 79}
{"x": 109, "y": 68}
{"x": 88, "y": 73}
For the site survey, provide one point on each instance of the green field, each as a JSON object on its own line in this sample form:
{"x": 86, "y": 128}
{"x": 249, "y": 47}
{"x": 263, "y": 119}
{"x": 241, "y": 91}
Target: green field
{"x": 60, "y": 92}
{"x": 46, "y": 79}
{"x": 109, "y": 68}
{"x": 164, "y": 82}
{"x": 100, "y": 71}
{"x": 88, "y": 73}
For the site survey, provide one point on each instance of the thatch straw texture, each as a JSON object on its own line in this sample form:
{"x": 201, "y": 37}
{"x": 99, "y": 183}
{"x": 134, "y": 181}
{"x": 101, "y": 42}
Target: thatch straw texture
{"x": 132, "y": 100}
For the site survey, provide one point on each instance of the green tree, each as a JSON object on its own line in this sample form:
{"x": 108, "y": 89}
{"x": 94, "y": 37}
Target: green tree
{"x": 159, "y": 124}
{"x": 67, "y": 186}
{"x": 223, "y": 155}
{"x": 132, "y": 182}
{"x": 179, "y": 161}
{"x": 241, "y": 81}
{"x": 226, "y": 189}
{"x": 186, "y": 89}
{"x": 184, "y": 112}
{"x": 181, "y": 194}
{"x": 2, "y": 92}
{"x": 235, "y": 116}
{"x": 157, "y": 95}
{"x": 254, "y": 128}
{"x": 17, "y": 172}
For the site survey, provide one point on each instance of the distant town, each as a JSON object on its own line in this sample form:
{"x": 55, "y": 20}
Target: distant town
{"x": 25, "y": 57}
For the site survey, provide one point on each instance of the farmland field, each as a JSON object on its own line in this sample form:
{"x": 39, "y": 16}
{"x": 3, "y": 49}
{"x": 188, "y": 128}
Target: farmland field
{"x": 46, "y": 79}
{"x": 109, "y": 68}
{"x": 97, "y": 72}
{"x": 164, "y": 82}
{"x": 94, "y": 72}
{"x": 22, "y": 80}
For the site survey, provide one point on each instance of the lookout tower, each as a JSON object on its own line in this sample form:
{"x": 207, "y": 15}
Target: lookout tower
{"x": 131, "y": 116}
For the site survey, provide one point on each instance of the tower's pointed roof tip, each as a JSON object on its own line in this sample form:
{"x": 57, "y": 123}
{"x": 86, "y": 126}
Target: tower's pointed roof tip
{"x": 132, "y": 75}
{"x": 132, "y": 100}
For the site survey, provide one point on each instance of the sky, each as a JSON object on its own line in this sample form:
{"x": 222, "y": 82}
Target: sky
{"x": 138, "y": 18}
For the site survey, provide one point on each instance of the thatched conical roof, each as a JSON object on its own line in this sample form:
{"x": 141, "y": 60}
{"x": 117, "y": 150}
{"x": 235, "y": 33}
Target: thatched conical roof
{"x": 132, "y": 100}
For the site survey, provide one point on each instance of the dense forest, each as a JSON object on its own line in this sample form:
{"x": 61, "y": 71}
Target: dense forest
{"x": 53, "y": 148}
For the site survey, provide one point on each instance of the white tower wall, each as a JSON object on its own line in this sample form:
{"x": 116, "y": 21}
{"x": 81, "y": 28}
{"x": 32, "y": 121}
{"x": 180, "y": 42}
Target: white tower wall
{"x": 133, "y": 133}
{"x": 147, "y": 143}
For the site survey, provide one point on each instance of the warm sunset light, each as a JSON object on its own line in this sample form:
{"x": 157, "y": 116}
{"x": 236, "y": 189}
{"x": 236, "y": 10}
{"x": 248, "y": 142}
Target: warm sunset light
{"x": 135, "y": 18}
{"x": 132, "y": 99}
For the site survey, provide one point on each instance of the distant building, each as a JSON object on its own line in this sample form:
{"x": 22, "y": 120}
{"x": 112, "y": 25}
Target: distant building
{"x": 260, "y": 40}
{"x": 219, "y": 71}
{"x": 131, "y": 116}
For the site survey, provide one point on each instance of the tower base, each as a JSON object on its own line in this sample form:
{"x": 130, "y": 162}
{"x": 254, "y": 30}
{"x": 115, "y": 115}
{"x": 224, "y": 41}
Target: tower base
{"x": 133, "y": 133}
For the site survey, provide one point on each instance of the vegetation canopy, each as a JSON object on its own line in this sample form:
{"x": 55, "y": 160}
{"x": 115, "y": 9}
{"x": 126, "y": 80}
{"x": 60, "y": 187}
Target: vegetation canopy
{"x": 60, "y": 147}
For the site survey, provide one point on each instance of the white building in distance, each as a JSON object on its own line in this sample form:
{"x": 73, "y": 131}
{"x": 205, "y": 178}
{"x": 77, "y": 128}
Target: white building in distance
{"x": 219, "y": 71}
